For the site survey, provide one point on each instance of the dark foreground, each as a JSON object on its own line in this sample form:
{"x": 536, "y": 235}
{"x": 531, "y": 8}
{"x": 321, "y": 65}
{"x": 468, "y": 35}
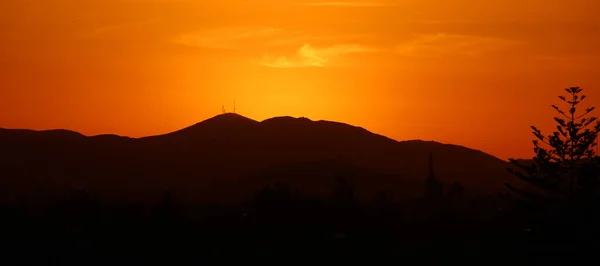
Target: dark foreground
{"x": 82, "y": 230}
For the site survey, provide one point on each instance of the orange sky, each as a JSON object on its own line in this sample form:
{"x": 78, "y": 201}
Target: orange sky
{"x": 468, "y": 72}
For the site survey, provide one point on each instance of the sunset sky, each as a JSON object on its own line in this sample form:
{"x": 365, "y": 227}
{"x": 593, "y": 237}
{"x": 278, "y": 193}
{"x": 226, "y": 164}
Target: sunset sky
{"x": 468, "y": 72}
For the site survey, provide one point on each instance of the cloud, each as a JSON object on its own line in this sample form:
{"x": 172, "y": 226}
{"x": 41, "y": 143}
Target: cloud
{"x": 229, "y": 37}
{"x": 254, "y": 41}
{"x": 248, "y": 37}
{"x": 309, "y": 56}
{"x": 106, "y": 30}
{"x": 442, "y": 44}
{"x": 294, "y": 39}
{"x": 344, "y": 4}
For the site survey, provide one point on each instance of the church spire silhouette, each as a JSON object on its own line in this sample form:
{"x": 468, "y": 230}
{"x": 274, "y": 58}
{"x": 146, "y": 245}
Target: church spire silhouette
{"x": 433, "y": 187}
{"x": 431, "y": 172}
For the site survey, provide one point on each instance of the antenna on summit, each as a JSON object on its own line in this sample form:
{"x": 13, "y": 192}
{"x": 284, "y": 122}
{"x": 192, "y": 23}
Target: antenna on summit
{"x": 234, "y": 106}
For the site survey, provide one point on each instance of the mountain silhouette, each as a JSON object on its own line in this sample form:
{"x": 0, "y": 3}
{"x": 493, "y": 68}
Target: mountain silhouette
{"x": 229, "y": 157}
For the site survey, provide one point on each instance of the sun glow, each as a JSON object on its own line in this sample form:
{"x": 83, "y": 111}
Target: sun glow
{"x": 399, "y": 68}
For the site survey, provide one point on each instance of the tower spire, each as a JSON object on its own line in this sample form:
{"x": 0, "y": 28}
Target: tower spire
{"x": 431, "y": 172}
{"x": 433, "y": 187}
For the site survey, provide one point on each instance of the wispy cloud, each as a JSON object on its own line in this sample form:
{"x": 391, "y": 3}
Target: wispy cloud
{"x": 294, "y": 39}
{"x": 228, "y": 38}
{"x": 246, "y": 37}
{"x": 106, "y": 30}
{"x": 309, "y": 56}
{"x": 255, "y": 40}
{"x": 345, "y": 4}
{"x": 442, "y": 44}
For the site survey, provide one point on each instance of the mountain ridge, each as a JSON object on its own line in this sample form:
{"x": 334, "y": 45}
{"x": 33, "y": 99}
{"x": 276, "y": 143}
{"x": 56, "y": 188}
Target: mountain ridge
{"x": 217, "y": 117}
{"x": 226, "y": 149}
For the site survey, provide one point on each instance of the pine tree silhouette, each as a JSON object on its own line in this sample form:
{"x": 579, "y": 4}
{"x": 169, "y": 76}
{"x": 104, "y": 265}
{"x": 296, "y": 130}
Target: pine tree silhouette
{"x": 565, "y": 170}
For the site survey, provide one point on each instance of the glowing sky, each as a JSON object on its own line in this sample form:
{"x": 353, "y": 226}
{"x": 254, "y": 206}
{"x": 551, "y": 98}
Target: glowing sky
{"x": 468, "y": 72}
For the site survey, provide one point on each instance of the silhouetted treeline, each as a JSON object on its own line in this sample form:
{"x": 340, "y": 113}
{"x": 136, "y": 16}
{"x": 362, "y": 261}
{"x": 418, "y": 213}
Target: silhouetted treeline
{"x": 551, "y": 220}
{"x": 82, "y": 228}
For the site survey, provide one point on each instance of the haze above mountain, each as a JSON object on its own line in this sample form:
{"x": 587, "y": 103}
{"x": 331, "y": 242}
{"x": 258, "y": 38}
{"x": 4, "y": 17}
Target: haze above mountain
{"x": 229, "y": 157}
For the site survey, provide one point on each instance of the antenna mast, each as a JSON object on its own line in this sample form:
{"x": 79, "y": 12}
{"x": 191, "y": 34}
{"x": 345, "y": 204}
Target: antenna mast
{"x": 234, "y": 106}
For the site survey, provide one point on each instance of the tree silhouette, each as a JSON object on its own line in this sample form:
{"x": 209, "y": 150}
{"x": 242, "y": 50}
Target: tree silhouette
{"x": 565, "y": 170}
{"x": 456, "y": 192}
{"x": 166, "y": 209}
{"x": 382, "y": 197}
{"x": 343, "y": 191}
{"x": 279, "y": 194}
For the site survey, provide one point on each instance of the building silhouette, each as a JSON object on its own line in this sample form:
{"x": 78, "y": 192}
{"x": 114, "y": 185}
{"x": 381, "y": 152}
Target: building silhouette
{"x": 433, "y": 187}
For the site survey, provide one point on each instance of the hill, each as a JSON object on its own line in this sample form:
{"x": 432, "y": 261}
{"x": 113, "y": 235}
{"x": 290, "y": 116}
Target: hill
{"x": 229, "y": 157}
